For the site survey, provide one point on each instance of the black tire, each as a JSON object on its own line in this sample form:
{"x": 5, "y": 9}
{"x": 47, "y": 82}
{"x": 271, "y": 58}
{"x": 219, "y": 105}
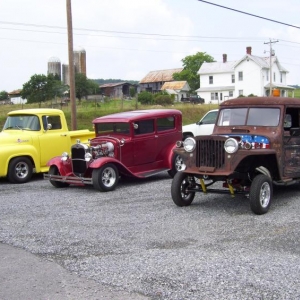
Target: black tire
{"x": 180, "y": 183}
{"x": 58, "y": 184}
{"x": 20, "y": 170}
{"x": 177, "y": 165}
{"x": 261, "y": 194}
{"x": 106, "y": 178}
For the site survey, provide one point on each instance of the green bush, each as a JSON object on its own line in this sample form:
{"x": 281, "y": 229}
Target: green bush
{"x": 145, "y": 97}
{"x": 163, "y": 100}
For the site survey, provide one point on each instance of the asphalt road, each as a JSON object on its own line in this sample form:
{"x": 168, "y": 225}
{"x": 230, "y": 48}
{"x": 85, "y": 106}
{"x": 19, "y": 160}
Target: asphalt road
{"x": 134, "y": 243}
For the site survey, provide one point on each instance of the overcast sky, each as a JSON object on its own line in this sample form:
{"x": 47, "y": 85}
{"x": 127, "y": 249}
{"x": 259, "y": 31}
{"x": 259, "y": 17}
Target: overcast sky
{"x": 125, "y": 39}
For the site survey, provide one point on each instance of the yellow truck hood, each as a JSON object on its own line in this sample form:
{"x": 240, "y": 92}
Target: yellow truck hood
{"x": 14, "y": 137}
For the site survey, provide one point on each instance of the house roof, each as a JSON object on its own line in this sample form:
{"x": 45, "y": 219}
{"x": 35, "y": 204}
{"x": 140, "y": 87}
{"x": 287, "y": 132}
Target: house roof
{"x": 175, "y": 85}
{"x": 263, "y": 62}
{"x": 160, "y": 75}
{"x": 229, "y": 66}
{"x": 217, "y": 67}
{"x": 113, "y": 84}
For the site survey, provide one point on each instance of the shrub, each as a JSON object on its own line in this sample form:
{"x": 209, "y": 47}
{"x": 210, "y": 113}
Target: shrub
{"x": 145, "y": 97}
{"x": 163, "y": 100}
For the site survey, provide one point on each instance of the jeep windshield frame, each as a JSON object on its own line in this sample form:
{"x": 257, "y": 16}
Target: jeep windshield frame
{"x": 249, "y": 116}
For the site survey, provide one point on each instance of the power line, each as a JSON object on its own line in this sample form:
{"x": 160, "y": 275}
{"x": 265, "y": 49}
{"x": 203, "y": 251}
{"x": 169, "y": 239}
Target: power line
{"x": 252, "y": 15}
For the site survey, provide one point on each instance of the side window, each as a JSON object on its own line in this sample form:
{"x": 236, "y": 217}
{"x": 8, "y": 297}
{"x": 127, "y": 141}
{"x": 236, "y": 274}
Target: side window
{"x": 55, "y": 122}
{"x": 210, "y": 118}
{"x": 165, "y": 123}
{"x": 142, "y": 127}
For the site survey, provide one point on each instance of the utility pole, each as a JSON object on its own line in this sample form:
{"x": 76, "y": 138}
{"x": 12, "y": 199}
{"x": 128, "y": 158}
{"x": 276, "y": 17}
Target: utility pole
{"x": 71, "y": 66}
{"x": 271, "y": 54}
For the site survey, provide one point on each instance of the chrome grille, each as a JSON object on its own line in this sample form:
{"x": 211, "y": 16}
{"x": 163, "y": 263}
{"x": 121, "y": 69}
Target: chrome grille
{"x": 210, "y": 153}
{"x": 78, "y": 162}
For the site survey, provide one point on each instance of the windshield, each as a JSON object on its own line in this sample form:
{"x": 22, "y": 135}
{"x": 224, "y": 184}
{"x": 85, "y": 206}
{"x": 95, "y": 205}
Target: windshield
{"x": 249, "y": 116}
{"x": 112, "y": 128}
{"x": 22, "y": 122}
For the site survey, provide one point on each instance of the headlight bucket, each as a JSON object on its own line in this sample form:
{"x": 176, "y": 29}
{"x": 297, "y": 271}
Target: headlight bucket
{"x": 65, "y": 156}
{"x": 231, "y": 145}
{"x": 189, "y": 144}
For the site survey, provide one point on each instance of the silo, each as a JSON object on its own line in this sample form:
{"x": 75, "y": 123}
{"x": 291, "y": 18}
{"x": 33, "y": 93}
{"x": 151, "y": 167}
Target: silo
{"x": 65, "y": 74}
{"x": 54, "y": 66}
{"x": 80, "y": 61}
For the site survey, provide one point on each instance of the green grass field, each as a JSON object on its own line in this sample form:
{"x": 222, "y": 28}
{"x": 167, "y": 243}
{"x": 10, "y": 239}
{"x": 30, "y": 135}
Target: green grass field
{"x": 87, "y": 111}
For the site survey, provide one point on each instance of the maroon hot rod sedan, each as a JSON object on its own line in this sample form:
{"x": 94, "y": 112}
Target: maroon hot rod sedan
{"x": 135, "y": 143}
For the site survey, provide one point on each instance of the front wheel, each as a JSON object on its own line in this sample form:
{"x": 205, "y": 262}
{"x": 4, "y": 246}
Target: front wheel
{"x": 53, "y": 170}
{"x": 177, "y": 165}
{"x": 261, "y": 193}
{"x": 179, "y": 189}
{"x": 20, "y": 170}
{"x": 106, "y": 178}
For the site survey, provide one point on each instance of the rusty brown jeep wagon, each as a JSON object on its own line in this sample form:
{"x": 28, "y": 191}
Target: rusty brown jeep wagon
{"x": 255, "y": 145}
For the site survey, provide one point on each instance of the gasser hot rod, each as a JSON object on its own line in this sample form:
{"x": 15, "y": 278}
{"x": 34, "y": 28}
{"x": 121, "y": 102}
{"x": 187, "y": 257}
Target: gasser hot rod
{"x": 255, "y": 145}
{"x": 135, "y": 143}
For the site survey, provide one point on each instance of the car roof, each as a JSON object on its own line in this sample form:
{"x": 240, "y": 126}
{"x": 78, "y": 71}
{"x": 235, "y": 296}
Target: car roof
{"x": 242, "y": 101}
{"x": 135, "y": 115}
{"x": 34, "y": 111}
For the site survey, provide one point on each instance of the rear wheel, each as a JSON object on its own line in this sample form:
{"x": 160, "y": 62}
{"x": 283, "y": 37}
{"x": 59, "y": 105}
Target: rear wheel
{"x": 106, "y": 178}
{"x": 58, "y": 184}
{"x": 20, "y": 170}
{"x": 261, "y": 193}
{"x": 179, "y": 189}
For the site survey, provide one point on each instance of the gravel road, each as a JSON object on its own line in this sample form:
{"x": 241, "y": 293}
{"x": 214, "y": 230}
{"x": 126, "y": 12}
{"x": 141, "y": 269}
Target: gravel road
{"x": 136, "y": 242}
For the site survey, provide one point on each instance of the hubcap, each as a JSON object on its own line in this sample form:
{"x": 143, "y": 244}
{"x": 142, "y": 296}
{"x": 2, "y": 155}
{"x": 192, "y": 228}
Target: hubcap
{"x": 108, "y": 177}
{"x": 265, "y": 194}
{"x": 21, "y": 170}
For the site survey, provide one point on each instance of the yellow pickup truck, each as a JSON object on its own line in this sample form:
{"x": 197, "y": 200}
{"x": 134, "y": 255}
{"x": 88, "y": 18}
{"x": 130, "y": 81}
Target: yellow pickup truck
{"x": 30, "y": 138}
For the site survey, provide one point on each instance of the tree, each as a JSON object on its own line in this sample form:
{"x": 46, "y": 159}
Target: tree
{"x": 40, "y": 88}
{"x": 191, "y": 65}
{"x": 3, "y": 95}
{"x": 145, "y": 97}
{"x": 82, "y": 86}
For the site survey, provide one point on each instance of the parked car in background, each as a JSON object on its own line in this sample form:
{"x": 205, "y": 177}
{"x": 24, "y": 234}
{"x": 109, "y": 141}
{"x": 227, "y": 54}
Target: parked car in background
{"x": 203, "y": 127}
{"x": 134, "y": 143}
{"x": 254, "y": 146}
{"x": 195, "y": 99}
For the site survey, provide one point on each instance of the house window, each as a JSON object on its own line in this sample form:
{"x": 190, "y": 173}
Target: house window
{"x": 240, "y": 76}
{"x": 281, "y": 77}
{"x": 241, "y": 92}
{"x": 267, "y": 77}
{"x": 274, "y": 77}
{"x": 214, "y": 96}
{"x": 211, "y": 79}
{"x": 230, "y": 93}
{"x": 232, "y": 78}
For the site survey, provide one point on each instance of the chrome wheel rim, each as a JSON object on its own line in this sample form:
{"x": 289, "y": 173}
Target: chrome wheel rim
{"x": 265, "y": 195}
{"x": 108, "y": 177}
{"x": 21, "y": 170}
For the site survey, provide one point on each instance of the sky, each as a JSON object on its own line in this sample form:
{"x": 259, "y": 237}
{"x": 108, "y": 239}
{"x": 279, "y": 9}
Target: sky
{"x": 126, "y": 39}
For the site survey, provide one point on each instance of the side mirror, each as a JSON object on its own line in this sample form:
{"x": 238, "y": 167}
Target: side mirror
{"x": 49, "y": 126}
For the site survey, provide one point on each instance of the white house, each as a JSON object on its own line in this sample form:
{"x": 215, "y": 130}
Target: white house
{"x": 250, "y": 75}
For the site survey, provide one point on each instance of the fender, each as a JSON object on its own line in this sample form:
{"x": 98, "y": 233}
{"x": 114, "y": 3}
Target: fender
{"x": 9, "y": 152}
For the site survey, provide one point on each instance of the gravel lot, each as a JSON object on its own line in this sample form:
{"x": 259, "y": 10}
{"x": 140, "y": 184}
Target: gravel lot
{"x": 136, "y": 240}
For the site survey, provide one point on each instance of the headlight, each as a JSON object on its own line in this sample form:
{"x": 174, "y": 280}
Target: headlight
{"x": 88, "y": 156}
{"x": 189, "y": 144}
{"x": 231, "y": 145}
{"x": 65, "y": 156}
